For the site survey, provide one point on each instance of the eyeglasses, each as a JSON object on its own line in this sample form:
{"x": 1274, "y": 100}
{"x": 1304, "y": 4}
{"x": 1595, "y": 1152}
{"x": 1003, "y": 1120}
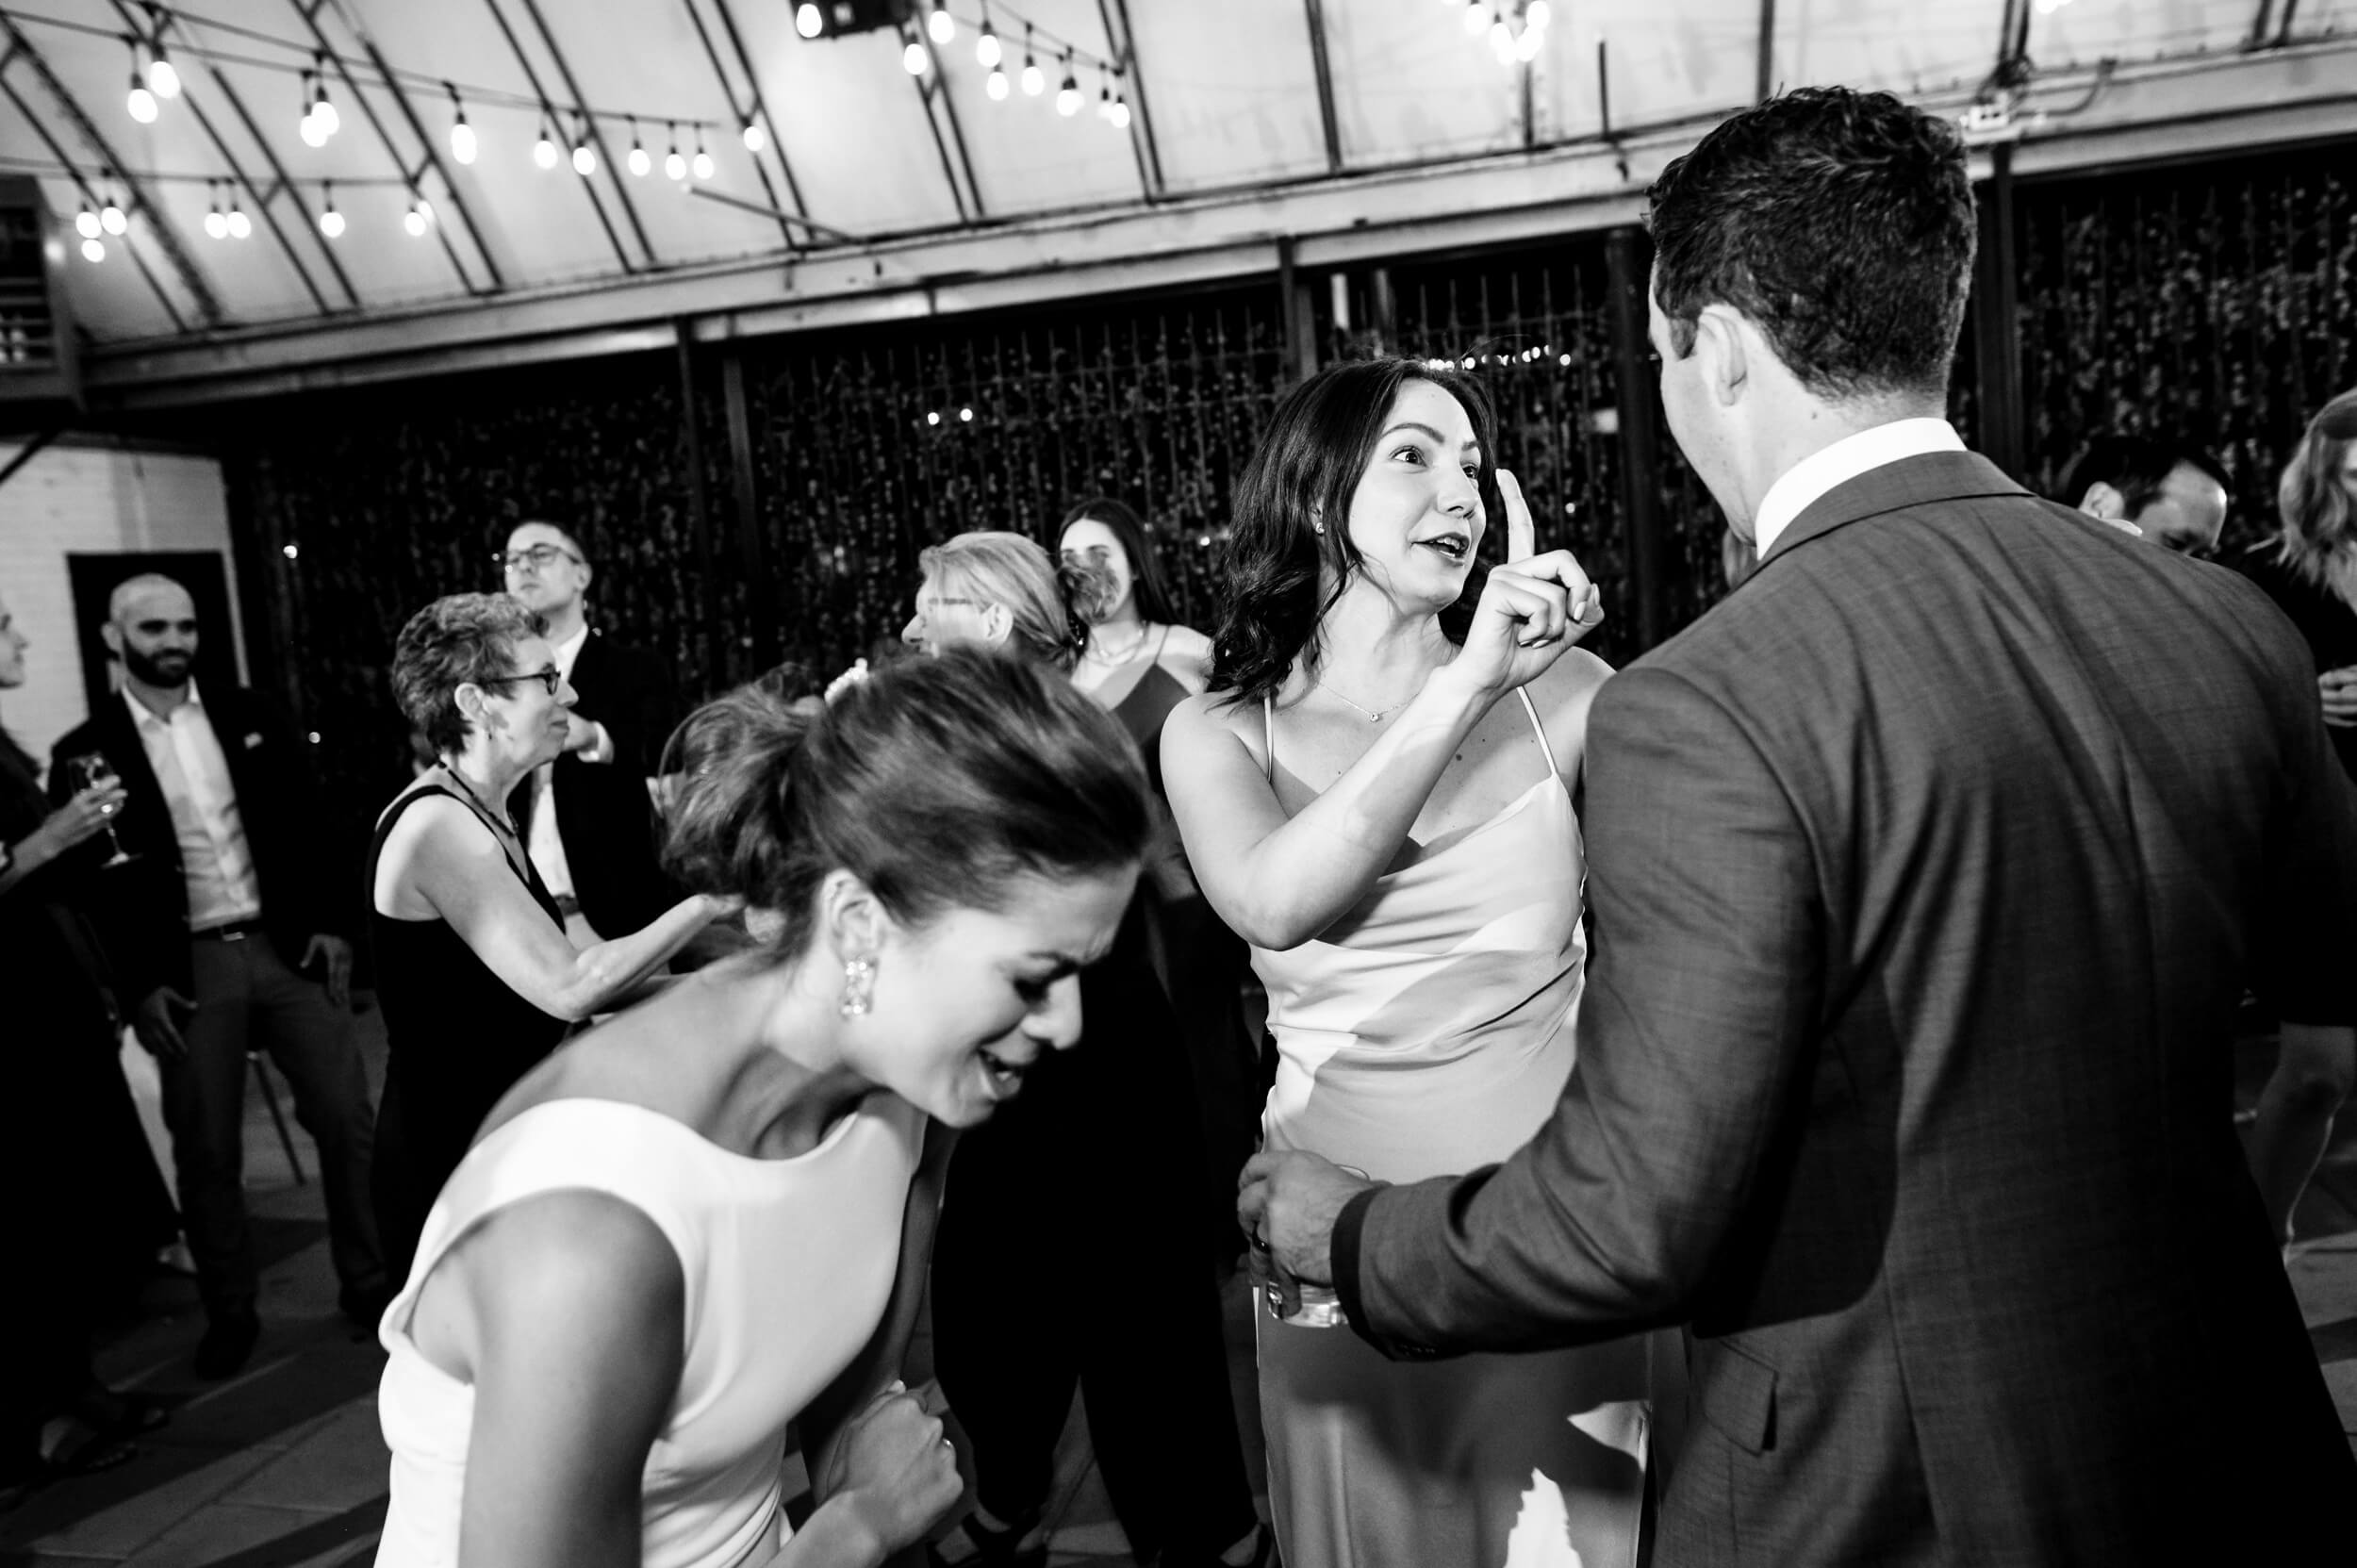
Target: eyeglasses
{"x": 552, "y": 678}
{"x": 540, "y": 557}
{"x": 926, "y": 608}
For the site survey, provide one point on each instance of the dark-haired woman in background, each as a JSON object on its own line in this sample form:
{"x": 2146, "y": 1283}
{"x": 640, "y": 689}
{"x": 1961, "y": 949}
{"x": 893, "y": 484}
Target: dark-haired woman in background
{"x": 708, "y": 1216}
{"x": 474, "y": 971}
{"x": 1085, "y": 1190}
{"x": 1376, "y": 794}
{"x": 2310, "y": 570}
{"x": 1141, "y": 663}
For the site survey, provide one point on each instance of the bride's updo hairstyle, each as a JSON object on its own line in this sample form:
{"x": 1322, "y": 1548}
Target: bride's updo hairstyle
{"x": 936, "y": 781}
{"x": 1315, "y": 452}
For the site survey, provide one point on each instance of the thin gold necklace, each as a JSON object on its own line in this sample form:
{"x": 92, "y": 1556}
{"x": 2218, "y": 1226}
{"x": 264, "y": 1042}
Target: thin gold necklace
{"x": 500, "y": 819}
{"x": 1375, "y": 716}
{"x": 1145, "y": 631}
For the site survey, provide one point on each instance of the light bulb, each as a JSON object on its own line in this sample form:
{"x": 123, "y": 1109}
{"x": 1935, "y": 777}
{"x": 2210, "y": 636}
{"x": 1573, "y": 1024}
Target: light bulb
{"x": 703, "y": 164}
{"x": 995, "y": 85}
{"x": 324, "y": 112}
{"x": 1105, "y": 102}
{"x": 1502, "y": 42}
{"x": 1120, "y": 116}
{"x": 86, "y": 223}
{"x": 110, "y": 218}
{"x": 93, "y": 251}
{"x": 585, "y": 161}
{"x": 674, "y": 166}
{"x": 414, "y": 221}
{"x": 462, "y": 144}
{"x": 1536, "y": 15}
{"x": 640, "y": 161}
{"x": 1527, "y": 47}
{"x": 161, "y": 78}
{"x": 141, "y": 103}
{"x": 216, "y": 225}
{"x": 240, "y": 224}
{"x": 331, "y": 222}
{"x": 941, "y": 24}
{"x": 1475, "y": 19}
{"x": 1034, "y": 79}
{"x": 423, "y": 209}
{"x": 1068, "y": 97}
{"x": 807, "y": 21}
{"x": 314, "y": 130}
{"x": 544, "y": 150}
{"x": 986, "y": 51}
{"x": 753, "y": 139}
{"x": 912, "y": 58}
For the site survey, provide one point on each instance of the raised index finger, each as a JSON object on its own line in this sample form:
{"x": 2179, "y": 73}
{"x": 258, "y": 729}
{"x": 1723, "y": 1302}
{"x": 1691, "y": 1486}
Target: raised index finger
{"x": 1522, "y": 535}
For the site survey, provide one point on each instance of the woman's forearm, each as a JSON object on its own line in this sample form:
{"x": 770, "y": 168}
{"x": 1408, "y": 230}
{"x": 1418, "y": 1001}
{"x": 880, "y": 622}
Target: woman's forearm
{"x": 606, "y": 973}
{"x": 1303, "y": 876}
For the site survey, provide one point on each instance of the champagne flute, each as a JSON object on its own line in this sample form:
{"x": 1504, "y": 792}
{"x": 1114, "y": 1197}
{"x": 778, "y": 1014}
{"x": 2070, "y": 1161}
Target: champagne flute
{"x": 93, "y": 771}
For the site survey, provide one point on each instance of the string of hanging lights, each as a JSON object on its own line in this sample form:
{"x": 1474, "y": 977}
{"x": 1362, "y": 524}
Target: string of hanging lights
{"x": 941, "y": 25}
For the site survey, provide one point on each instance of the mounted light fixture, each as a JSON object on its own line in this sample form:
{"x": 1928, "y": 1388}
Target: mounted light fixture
{"x": 808, "y": 21}
{"x": 1034, "y": 80}
{"x": 987, "y": 53}
{"x": 584, "y": 156}
{"x": 111, "y": 217}
{"x": 1068, "y": 95}
{"x": 640, "y": 161}
{"x": 674, "y": 166}
{"x": 914, "y": 59}
{"x": 161, "y": 78}
{"x": 331, "y": 221}
{"x": 93, "y": 251}
{"x": 240, "y": 224}
{"x": 86, "y": 223}
{"x": 754, "y": 141}
{"x": 995, "y": 85}
{"x": 419, "y": 218}
{"x": 702, "y": 163}
{"x": 141, "y": 103}
{"x": 544, "y": 150}
{"x": 216, "y": 222}
{"x": 321, "y": 110}
{"x": 941, "y": 26}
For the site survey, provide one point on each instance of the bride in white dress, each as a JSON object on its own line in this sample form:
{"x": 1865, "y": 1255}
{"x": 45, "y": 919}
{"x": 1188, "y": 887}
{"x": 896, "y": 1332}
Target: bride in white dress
{"x": 1394, "y": 834}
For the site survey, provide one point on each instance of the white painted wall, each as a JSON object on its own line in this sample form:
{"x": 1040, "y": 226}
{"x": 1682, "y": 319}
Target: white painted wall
{"x": 92, "y": 496}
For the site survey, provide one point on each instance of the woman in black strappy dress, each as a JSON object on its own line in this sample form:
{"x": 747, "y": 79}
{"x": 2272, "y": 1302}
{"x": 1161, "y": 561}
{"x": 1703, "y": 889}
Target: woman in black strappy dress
{"x": 474, "y": 971}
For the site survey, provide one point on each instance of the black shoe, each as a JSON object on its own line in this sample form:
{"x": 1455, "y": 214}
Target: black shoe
{"x": 365, "y": 1304}
{"x": 228, "y": 1342}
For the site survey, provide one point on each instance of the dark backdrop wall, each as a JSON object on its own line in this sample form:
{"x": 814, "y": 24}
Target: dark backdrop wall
{"x": 753, "y": 502}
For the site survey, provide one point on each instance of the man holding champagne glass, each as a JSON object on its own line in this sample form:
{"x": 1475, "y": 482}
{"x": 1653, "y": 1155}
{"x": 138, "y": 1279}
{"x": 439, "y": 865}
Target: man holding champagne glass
{"x": 212, "y": 895}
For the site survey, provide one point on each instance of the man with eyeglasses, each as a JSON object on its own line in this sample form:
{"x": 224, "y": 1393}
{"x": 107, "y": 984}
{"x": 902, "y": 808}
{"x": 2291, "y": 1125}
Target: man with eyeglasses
{"x": 232, "y": 892}
{"x": 587, "y": 817}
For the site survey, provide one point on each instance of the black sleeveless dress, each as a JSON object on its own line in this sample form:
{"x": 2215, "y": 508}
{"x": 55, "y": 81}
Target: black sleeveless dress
{"x": 459, "y": 1038}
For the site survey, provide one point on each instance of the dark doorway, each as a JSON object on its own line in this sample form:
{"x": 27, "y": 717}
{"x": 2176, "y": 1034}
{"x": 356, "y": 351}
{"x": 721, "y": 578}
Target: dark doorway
{"x": 204, "y": 573}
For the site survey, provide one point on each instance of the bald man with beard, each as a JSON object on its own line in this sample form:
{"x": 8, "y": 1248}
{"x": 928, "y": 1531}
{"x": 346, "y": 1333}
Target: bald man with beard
{"x": 226, "y": 932}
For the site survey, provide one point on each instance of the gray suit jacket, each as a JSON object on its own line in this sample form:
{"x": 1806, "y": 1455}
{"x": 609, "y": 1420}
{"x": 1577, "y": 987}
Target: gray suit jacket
{"x": 1928, "y": 871}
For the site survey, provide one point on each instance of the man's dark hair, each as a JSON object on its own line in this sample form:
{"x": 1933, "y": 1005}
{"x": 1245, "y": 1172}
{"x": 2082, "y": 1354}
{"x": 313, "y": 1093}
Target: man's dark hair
{"x": 1839, "y": 222}
{"x": 2135, "y": 465}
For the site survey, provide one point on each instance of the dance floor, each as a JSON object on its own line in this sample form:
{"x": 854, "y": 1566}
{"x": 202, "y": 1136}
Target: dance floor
{"x": 282, "y": 1467}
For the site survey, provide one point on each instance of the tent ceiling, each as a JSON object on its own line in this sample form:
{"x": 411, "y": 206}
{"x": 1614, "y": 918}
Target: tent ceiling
{"x": 1229, "y": 93}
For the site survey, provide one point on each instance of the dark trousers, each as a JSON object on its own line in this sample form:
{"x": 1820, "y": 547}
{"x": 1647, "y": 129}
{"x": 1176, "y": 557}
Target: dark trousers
{"x": 1070, "y": 1252}
{"x": 247, "y": 997}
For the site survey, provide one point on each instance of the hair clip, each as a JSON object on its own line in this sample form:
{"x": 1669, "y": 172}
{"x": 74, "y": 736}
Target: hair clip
{"x": 856, "y": 675}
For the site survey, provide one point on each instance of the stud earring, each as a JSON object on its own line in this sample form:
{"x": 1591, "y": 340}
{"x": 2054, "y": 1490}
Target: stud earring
{"x": 858, "y": 986}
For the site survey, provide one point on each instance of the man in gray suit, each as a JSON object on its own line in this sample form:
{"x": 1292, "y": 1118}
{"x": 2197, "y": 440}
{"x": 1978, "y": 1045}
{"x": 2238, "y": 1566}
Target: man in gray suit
{"x": 1928, "y": 871}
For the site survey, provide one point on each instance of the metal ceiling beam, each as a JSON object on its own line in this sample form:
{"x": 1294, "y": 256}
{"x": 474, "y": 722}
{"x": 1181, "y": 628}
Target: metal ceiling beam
{"x": 597, "y": 132}
{"x": 940, "y": 92}
{"x": 425, "y": 139}
{"x": 1316, "y": 13}
{"x": 752, "y": 81}
{"x": 310, "y": 11}
{"x": 286, "y": 185}
{"x": 1142, "y": 142}
{"x": 239, "y": 176}
{"x": 548, "y": 111}
{"x": 179, "y": 323}
{"x": 916, "y": 33}
{"x": 723, "y": 77}
{"x": 167, "y": 239}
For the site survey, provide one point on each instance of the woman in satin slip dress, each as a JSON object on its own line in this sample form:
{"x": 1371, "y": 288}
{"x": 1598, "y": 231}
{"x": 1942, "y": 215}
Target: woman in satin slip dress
{"x": 1376, "y": 796}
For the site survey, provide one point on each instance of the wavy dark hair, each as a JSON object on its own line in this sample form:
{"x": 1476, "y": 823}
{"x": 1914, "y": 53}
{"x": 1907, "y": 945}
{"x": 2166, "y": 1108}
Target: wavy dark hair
{"x": 1307, "y": 466}
{"x": 1128, "y": 530}
{"x": 936, "y": 781}
{"x": 1839, "y": 222}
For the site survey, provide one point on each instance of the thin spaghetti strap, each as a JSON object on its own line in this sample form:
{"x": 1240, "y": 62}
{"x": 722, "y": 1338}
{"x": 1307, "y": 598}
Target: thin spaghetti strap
{"x": 1268, "y": 728}
{"x": 1540, "y": 729}
{"x": 1162, "y": 643}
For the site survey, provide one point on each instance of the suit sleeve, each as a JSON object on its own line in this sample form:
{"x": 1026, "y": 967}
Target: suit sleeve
{"x": 1700, "y": 1011}
{"x": 324, "y": 877}
{"x": 641, "y": 714}
{"x": 2302, "y": 963}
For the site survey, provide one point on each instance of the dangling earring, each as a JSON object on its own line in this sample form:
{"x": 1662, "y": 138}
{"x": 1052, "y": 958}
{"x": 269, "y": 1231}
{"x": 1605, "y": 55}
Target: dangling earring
{"x": 858, "y": 986}
{"x": 1317, "y": 528}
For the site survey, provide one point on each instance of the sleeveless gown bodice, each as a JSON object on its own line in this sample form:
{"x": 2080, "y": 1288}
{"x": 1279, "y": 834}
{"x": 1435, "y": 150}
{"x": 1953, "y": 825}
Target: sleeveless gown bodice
{"x": 788, "y": 1265}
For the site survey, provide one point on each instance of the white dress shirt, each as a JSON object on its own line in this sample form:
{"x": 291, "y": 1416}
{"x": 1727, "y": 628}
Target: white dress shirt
{"x": 1820, "y": 471}
{"x": 544, "y": 843}
{"x": 193, "y": 773}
